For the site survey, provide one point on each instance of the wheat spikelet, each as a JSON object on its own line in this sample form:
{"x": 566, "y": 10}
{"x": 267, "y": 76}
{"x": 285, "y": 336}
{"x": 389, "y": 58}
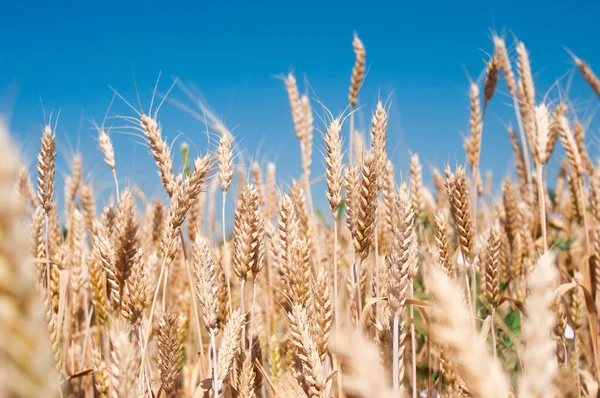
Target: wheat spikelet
{"x": 168, "y": 351}
{"x": 25, "y": 357}
{"x": 108, "y": 218}
{"x": 58, "y": 260}
{"x": 160, "y": 152}
{"x": 136, "y": 289}
{"x": 275, "y": 364}
{"x": 491, "y": 79}
{"x": 181, "y": 202}
{"x": 440, "y": 187}
{"x": 524, "y": 68}
{"x": 492, "y": 265}
{"x": 476, "y": 124}
{"x": 334, "y": 165}
{"x": 443, "y": 244}
{"x": 378, "y": 140}
{"x": 358, "y": 72}
{"x": 542, "y": 122}
{"x": 37, "y": 243}
{"x": 456, "y": 188}
{"x": 55, "y": 337}
{"x": 46, "y": 168}
{"x": 287, "y": 227}
{"x": 194, "y": 227}
{"x": 75, "y": 241}
{"x": 576, "y": 207}
{"x": 579, "y": 135}
{"x": 97, "y": 285}
{"x": 299, "y": 200}
{"x": 503, "y": 59}
{"x": 517, "y": 256}
{"x": 360, "y": 358}
{"x": 571, "y": 150}
{"x": 124, "y": 363}
{"x": 101, "y": 374}
{"x": 577, "y": 302}
{"x": 519, "y": 162}
{"x": 257, "y": 181}
{"x": 389, "y": 189}
{"x": 539, "y": 362}
{"x": 468, "y": 350}
{"x": 513, "y": 220}
{"x": 222, "y": 295}
{"x": 416, "y": 187}
{"x": 299, "y": 273}
{"x": 106, "y": 146}
{"x": 246, "y": 378}
{"x": 230, "y": 345}
{"x": 561, "y": 317}
{"x": 560, "y": 110}
{"x": 206, "y": 282}
{"x": 306, "y": 141}
{"x": 306, "y": 351}
{"x": 124, "y": 241}
{"x": 272, "y": 198}
{"x": 321, "y": 314}
{"x": 400, "y": 263}
{"x": 225, "y": 159}
{"x": 104, "y": 251}
{"x": 367, "y": 206}
{"x": 295, "y": 105}
{"x": 595, "y": 195}
{"x": 248, "y": 231}
{"x": 26, "y": 190}
{"x": 89, "y": 207}
{"x": 488, "y": 184}
{"x": 588, "y": 74}
{"x": 212, "y": 205}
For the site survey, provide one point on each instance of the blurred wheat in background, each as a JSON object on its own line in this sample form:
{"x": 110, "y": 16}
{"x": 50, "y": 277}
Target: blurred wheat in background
{"x": 401, "y": 291}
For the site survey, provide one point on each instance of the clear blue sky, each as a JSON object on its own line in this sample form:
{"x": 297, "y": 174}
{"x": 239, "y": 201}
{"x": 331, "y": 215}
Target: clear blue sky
{"x": 420, "y": 54}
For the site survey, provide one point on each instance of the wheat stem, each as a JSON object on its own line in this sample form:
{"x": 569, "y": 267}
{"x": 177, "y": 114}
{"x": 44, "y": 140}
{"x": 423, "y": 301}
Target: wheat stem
{"x": 114, "y": 173}
{"x": 243, "y": 312}
{"x": 356, "y": 268}
{"x": 351, "y": 138}
{"x": 395, "y": 364}
{"x": 413, "y": 342}
{"x": 194, "y": 304}
{"x": 493, "y": 332}
{"x": 164, "y": 290}
{"x": 251, "y": 335}
{"x": 213, "y": 345}
{"x": 542, "y": 202}
{"x": 226, "y": 249}
{"x": 469, "y": 299}
{"x": 524, "y": 143}
{"x": 337, "y": 314}
{"x": 377, "y": 277}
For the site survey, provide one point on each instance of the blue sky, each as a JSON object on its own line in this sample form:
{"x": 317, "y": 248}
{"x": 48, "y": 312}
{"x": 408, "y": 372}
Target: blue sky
{"x": 420, "y": 55}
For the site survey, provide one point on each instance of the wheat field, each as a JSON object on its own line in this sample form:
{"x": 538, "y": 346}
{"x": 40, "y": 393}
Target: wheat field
{"x": 402, "y": 290}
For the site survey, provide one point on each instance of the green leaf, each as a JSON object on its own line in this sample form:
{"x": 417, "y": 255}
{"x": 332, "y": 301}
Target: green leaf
{"x": 185, "y": 154}
{"x": 427, "y": 223}
{"x": 562, "y": 243}
{"x": 513, "y": 321}
{"x": 341, "y": 209}
{"x": 321, "y": 216}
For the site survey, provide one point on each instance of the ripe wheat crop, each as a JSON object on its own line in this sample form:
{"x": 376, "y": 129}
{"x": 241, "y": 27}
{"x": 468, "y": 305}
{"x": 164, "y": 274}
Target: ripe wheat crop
{"x": 407, "y": 291}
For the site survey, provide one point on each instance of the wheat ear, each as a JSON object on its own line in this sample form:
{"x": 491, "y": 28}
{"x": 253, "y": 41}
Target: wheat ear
{"x": 25, "y": 357}
{"x": 467, "y": 349}
{"x": 539, "y": 361}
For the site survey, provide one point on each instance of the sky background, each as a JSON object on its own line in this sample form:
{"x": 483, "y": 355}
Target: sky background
{"x": 420, "y": 56}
